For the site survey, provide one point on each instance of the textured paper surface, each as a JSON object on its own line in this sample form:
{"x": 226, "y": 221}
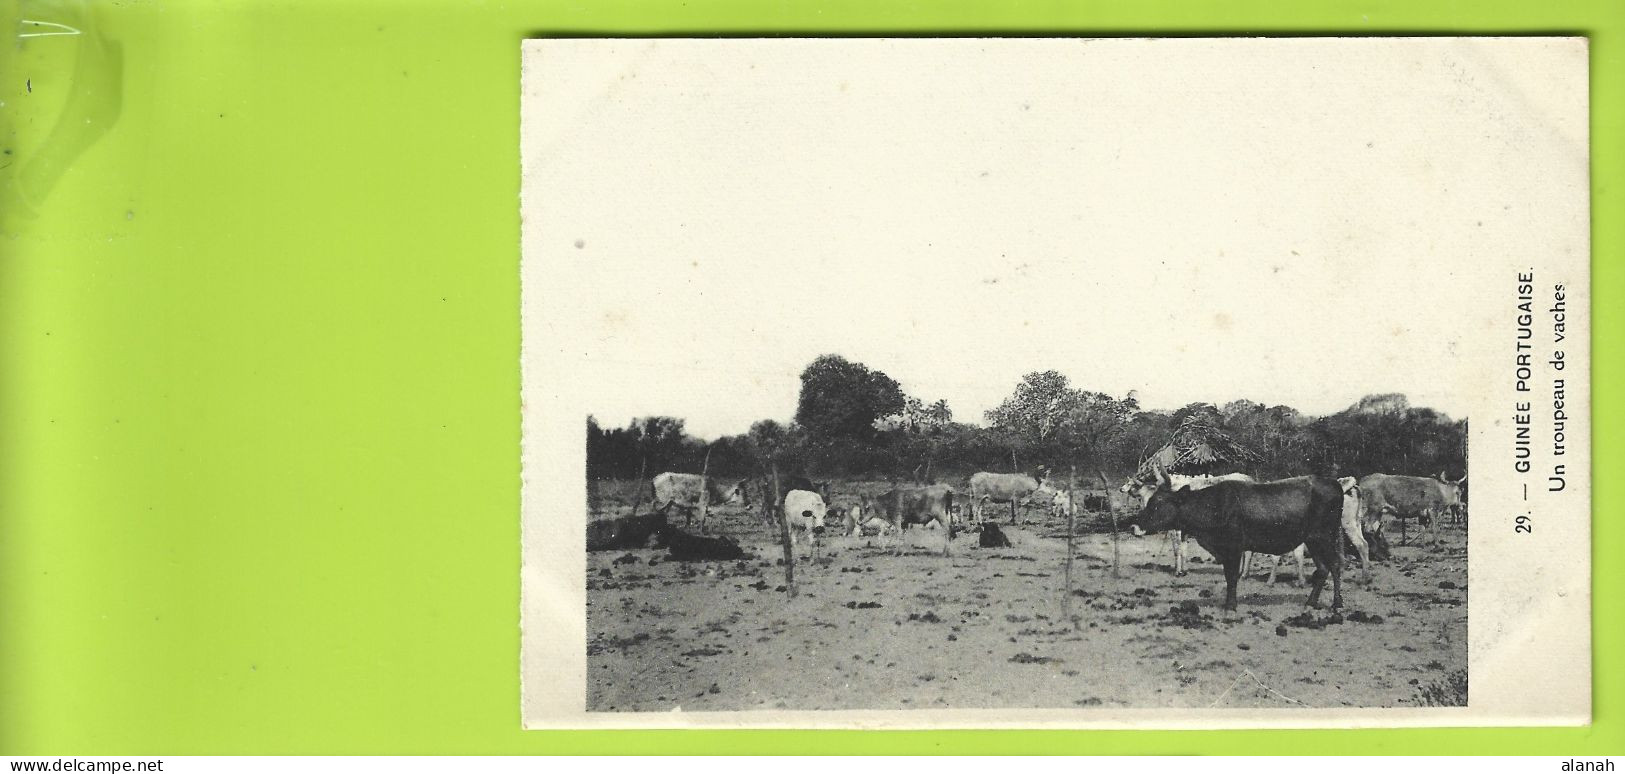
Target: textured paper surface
{"x": 1161, "y": 205}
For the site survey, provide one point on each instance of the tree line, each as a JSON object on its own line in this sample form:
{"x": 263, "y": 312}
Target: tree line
{"x": 854, "y": 421}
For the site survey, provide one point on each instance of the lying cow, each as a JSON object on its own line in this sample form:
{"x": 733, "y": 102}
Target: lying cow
{"x": 624, "y": 532}
{"x": 1012, "y": 488}
{"x": 1406, "y": 497}
{"x": 682, "y": 490}
{"x": 992, "y": 537}
{"x": 1142, "y": 489}
{"x": 1232, "y": 517}
{"x": 684, "y": 547}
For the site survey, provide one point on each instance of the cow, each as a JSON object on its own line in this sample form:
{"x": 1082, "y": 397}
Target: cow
{"x": 864, "y": 513}
{"x": 770, "y": 513}
{"x": 992, "y": 536}
{"x": 1060, "y": 504}
{"x": 1406, "y": 497}
{"x": 1355, "y": 528}
{"x": 1143, "y": 488}
{"x": 805, "y": 484}
{"x": 1012, "y": 488}
{"x": 683, "y": 491}
{"x": 804, "y": 511}
{"x": 623, "y": 532}
{"x": 683, "y": 547}
{"x": 1088, "y": 501}
{"x": 1232, "y": 517}
{"x": 1297, "y": 555}
{"x": 905, "y": 505}
{"x": 1354, "y": 521}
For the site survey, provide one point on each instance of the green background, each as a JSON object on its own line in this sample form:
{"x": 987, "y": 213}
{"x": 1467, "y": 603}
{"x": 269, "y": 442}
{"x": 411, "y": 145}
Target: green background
{"x": 259, "y": 335}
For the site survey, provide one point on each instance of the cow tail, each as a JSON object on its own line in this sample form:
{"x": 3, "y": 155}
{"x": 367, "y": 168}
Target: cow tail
{"x": 948, "y": 506}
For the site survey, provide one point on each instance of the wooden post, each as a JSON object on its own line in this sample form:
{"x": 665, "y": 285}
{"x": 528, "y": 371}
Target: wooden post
{"x": 1111, "y": 508}
{"x": 1071, "y": 529}
{"x": 947, "y": 531}
{"x": 637, "y": 486}
{"x": 705, "y": 488}
{"x": 784, "y": 537}
{"x": 1014, "y": 468}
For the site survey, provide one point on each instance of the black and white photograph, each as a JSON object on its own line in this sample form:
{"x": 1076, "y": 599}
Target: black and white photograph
{"x": 884, "y": 555}
{"x": 1055, "y": 382}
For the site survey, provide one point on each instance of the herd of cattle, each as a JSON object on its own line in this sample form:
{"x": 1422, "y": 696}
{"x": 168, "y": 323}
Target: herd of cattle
{"x": 1231, "y": 516}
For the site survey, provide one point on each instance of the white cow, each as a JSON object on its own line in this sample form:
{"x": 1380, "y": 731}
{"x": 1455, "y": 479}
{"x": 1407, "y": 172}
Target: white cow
{"x": 1012, "y": 488}
{"x": 1275, "y": 567}
{"x": 1354, "y": 517}
{"x": 1060, "y": 504}
{"x": 683, "y": 491}
{"x": 805, "y": 512}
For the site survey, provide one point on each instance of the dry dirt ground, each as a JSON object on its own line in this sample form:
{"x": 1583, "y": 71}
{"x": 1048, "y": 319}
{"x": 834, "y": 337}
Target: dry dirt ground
{"x": 882, "y": 625}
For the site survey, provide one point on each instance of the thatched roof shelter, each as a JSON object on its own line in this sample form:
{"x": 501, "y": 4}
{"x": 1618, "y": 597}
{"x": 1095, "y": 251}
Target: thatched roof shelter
{"x": 1198, "y": 448}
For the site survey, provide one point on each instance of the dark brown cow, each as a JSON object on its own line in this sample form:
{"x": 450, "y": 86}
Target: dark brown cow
{"x": 620, "y": 533}
{"x": 683, "y": 547}
{"x": 821, "y": 488}
{"x": 1232, "y": 517}
{"x": 1142, "y": 488}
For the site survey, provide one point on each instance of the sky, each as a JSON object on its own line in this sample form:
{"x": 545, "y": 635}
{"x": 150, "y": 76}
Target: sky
{"x": 1270, "y": 220}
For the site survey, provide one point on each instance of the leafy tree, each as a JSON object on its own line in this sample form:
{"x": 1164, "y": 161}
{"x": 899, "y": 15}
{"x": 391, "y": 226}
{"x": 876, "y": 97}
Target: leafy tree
{"x": 1274, "y": 432}
{"x": 1142, "y": 434}
{"x": 1035, "y": 410}
{"x": 920, "y": 417}
{"x": 1386, "y": 403}
{"x": 767, "y": 436}
{"x": 1384, "y": 434}
{"x": 844, "y": 399}
{"x": 1091, "y": 426}
{"x": 1052, "y": 421}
